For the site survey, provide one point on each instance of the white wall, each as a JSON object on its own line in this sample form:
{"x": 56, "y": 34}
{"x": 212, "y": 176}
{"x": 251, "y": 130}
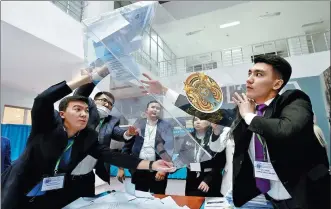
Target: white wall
{"x": 45, "y": 21}
{"x": 14, "y": 97}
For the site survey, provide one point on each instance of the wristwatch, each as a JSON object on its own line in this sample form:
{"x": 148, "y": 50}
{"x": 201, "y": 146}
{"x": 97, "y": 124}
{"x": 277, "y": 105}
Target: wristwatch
{"x": 150, "y": 166}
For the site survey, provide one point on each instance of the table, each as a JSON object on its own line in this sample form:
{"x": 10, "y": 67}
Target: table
{"x": 190, "y": 201}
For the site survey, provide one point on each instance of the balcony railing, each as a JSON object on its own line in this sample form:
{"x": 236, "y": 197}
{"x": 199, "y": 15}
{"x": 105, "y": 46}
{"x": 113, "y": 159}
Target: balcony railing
{"x": 73, "y": 8}
{"x": 293, "y": 46}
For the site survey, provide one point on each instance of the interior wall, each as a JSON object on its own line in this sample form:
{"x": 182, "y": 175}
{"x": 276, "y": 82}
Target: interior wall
{"x": 46, "y": 21}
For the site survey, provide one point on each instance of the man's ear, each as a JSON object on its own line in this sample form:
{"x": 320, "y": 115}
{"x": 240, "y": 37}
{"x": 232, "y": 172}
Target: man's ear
{"x": 278, "y": 84}
{"x": 62, "y": 114}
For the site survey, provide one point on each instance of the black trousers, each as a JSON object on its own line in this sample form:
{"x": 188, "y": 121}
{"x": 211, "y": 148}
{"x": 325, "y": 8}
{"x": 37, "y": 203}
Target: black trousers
{"x": 74, "y": 188}
{"x": 145, "y": 181}
{"x": 193, "y": 181}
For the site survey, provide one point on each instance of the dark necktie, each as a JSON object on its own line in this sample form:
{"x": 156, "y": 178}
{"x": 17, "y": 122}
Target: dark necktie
{"x": 262, "y": 184}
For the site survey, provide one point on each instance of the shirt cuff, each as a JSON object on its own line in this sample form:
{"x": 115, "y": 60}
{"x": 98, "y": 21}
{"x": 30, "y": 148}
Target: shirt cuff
{"x": 249, "y": 117}
{"x": 172, "y": 96}
{"x": 126, "y": 137}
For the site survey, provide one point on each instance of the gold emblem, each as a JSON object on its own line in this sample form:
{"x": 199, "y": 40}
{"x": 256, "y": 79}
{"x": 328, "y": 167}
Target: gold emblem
{"x": 203, "y": 93}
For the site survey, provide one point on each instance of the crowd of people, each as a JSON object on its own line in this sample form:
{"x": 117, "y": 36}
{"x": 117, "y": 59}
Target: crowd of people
{"x": 267, "y": 132}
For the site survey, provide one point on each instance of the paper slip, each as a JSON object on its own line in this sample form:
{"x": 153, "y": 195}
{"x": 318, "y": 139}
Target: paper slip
{"x": 115, "y": 197}
{"x": 103, "y": 28}
{"x": 219, "y": 202}
{"x": 81, "y": 202}
{"x": 129, "y": 187}
{"x": 169, "y": 202}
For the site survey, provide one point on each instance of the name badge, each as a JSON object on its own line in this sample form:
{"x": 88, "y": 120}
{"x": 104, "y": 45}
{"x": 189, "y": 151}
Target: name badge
{"x": 195, "y": 167}
{"x": 264, "y": 170}
{"x": 53, "y": 183}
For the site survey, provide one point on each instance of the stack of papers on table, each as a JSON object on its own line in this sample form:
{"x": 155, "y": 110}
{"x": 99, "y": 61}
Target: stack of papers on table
{"x": 123, "y": 200}
{"x": 258, "y": 202}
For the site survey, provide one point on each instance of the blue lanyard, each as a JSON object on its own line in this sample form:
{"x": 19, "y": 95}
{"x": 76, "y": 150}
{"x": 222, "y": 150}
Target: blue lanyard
{"x": 60, "y": 158}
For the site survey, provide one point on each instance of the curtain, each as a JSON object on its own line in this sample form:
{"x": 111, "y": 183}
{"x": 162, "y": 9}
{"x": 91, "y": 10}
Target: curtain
{"x": 18, "y": 135}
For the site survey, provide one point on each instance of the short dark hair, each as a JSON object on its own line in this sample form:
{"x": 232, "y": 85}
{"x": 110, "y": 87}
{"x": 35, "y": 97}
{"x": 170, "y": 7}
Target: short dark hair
{"x": 279, "y": 64}
{"x": 108, "y": 94}
{"x": 65, "y": 101}
{"x": 151, "y": 102}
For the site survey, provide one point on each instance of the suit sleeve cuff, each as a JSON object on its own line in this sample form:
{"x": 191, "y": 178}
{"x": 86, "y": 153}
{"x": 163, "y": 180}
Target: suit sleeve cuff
{"x": 126, "y": 137}
{"x": 249, "y": 117}
{"x": 171, "y": 96}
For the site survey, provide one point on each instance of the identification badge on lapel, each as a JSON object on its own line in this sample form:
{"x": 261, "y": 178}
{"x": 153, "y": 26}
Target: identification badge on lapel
{"x": 195, "y": 167}
{"x": 53, "y": 183}
{"x": 264, "y": 170}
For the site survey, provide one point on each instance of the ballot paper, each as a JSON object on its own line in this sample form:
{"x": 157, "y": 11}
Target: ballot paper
{"x": 216, "y": 202}
{"x": 123, "y": 200}
{"x": 79, "y": 203}
{"x": 131, "y": 189}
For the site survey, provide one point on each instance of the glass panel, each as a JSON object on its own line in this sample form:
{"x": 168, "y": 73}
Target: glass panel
{"x": 13, "y": 115}
{"x": 146, "y": 44}
{"x": 112, "y": 50}
{"x": 153, "y": 35}
{"x": 160, "y": 54}
{"x": 154, "y": 50}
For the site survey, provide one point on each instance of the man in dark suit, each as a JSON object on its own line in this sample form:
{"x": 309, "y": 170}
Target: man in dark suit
{"x": 108, "y": 128}
{"x": 5, "y": 154}
{"x": 273, "y": 131}
{"x": 57, "y": 143}
{"x": 155, "y": 141}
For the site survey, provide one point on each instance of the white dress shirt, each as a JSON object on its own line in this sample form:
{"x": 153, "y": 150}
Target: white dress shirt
{"x": 277, "y": 190}
{"x": 147, "y": 151}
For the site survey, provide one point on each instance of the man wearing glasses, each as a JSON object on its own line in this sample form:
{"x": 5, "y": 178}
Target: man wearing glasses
{"x": 108, "y": 128}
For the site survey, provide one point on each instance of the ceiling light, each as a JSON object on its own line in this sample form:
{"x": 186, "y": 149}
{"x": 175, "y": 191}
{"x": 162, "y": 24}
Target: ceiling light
{"x": 230, "y": 24}
{"x": 268, "y": 15}
{"x": 313, "y": 23}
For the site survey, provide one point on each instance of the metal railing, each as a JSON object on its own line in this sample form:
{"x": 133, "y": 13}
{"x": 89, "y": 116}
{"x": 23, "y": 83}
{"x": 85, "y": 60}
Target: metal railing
{"x": 293, "y": 46}
{"x": 73, "y": 8}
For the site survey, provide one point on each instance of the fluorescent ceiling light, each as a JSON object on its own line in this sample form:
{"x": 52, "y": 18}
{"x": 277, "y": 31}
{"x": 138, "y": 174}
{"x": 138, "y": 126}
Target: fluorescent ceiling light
{"x": 230, "y": 24}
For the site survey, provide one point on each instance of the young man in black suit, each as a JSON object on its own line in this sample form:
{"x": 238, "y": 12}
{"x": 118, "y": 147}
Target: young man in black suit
{"x": 273, "y": 132}
{"x": 107, "y": 126}
{"x": 57, "y": 143}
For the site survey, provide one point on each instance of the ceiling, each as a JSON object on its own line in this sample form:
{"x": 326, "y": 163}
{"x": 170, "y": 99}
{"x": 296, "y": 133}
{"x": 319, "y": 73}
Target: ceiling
{"x": 177, "y": 18}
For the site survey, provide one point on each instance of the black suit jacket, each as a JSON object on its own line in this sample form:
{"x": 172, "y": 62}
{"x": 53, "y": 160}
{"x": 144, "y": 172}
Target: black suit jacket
{"x": 46, "y": 143}
{"x": 299, "y": 161}
{"x": 109, "y": 130}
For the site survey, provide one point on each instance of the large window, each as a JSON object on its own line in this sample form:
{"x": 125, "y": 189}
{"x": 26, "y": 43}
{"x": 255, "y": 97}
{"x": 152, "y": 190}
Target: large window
{"x": 16, "y": 115}
{"x": 73, "y": 8}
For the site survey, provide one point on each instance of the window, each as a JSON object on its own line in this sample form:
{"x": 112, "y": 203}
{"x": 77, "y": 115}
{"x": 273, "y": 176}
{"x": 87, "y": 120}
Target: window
{"x": 16, "y": 115}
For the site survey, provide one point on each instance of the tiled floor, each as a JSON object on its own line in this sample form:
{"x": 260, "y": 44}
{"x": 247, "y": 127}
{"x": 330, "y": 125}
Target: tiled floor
{"x": 175, "y": 187}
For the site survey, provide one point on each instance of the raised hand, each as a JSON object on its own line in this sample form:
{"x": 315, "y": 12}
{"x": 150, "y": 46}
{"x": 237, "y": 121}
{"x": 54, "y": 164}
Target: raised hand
{"x": 132, "y": 131}
{"x": 244, "y": 104}
{"x": 152, "y": 86}
{"x": 163, "y": 166}
{"x": 216, "y": 128}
